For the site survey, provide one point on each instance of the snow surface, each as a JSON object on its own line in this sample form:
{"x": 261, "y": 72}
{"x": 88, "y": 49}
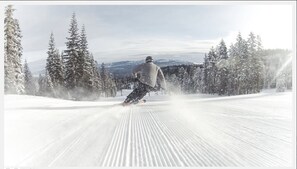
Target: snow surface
{"x": 193, "y": 130}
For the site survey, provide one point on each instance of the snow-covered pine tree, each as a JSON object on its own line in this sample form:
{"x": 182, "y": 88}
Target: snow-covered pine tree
{"x": 255, "y": 63}
{"x": 18, "y": 67}
{"x": 30, "y": 87}
{"x": 71, "y": 58}
{"x": 222, "y": 75}
{"x": 241, "y": 66}
{"x": 104, "y": 79}
{"x": 233, "y": 71}
{"x": 97, "y": 86}
{"x": 186, "y": 82}
{"x": 41, "y": 85}
{"x": 222, "y": 50}
{"x": 107, "y": 82}
{"x": 50, "y": 58}
{"x": 206, "y": 64}
{"x": 14, "y": 79}
{"x": 58, "y": 73}
{"x": 88, "y": 76}
{"x": 48, "y": 84}
{"x": 198, "y": 80}
{"x": 173, "y": 85}
{"x": 281, "y": 82}
{"x": 180, "y": 77}
{"x": 45, "y": 85}
{"x": 112, "y": 89}
{"x": 54, "y": 68}
{"x": 9, "y": 50}
{"x": 212, "y": 71}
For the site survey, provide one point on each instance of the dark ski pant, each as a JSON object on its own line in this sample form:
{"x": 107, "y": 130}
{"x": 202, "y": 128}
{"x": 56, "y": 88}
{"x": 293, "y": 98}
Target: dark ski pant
{"x": 138, "y": 93}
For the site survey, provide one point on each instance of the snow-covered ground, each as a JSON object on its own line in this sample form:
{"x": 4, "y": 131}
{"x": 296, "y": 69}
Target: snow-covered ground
{"x": 192, "y": 130}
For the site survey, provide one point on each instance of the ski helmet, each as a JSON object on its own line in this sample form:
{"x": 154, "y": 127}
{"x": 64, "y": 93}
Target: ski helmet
{"x": 148, "y": 59}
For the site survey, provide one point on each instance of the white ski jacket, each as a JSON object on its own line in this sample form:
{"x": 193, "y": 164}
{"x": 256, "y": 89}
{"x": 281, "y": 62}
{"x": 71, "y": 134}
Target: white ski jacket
{"x": 150, "y": 74}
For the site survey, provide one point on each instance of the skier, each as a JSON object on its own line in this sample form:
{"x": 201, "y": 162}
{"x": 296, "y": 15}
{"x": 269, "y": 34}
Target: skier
{"x": 150, "y": 78}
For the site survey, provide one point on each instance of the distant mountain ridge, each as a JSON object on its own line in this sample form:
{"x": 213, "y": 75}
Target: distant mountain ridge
{"x": 124, "y": 68}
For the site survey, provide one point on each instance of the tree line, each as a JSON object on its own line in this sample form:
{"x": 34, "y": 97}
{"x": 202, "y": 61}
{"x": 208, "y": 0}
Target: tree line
{"x": 71, "y": 74}
{"x": 74, "y": 74}
{"x": 244, "y": 68}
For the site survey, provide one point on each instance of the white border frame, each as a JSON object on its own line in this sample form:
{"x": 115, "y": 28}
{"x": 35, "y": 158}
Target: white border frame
{"x": 5, "y": 3}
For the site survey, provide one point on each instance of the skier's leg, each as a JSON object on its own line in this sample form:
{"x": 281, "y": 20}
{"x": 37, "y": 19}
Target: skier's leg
{"x": 133, "y": 95}
{"x": 140, "y": 96}
{"x": 143, "y": 90}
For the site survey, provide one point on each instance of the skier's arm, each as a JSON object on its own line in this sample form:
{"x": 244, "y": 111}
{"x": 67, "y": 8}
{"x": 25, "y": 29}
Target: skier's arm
{"x": 136, "y": 70}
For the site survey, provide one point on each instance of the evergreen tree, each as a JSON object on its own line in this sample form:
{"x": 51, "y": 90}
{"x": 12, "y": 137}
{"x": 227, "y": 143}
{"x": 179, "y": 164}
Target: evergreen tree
{"x": 54, "y": 68}
{"x": 18, "y": 67}
{"x": 180, "y": 77}
{"x": 108, "y": 85}
{"x": 41, "y": 85}
{"x": 186, "y": 82}
{"x": 30, "y": 87}
{"x": 73, "y": 66}
{"x": 198, "y": 80}
{"x": 222, "y": 50}
{"x": 240, "y": 57}
{"x": 104, "y": 79}
{"x": 48, "y": 86}
{"x": 222, "y": 74}
{"x": 14, "y": 79}
{"x": 206, "y": 71}
{"x": 97, "y": 86}
{"x": 281, "y": 83}
{"x": 256, "y": 65}
{"x": 212, "y": 71}
{"x": 88, "y": 75}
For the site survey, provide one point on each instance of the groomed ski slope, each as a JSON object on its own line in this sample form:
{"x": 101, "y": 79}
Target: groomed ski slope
{"x": 177, "y": 131}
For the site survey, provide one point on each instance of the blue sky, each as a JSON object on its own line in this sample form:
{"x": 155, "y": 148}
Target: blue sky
{"x": 123, "y": 32}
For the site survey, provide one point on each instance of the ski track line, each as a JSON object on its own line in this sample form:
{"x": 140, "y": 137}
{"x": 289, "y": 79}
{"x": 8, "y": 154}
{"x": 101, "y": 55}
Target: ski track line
{"x": 147, "y": 142}
{"x": 256, "y": 122}
{"x": 177, "y": 144}
{"x": 143, "y": 139}
{"x": 263, "y": 156}
{"x": 108, "y": 160}
{"x": 79, "y": 135}
{"x": 178, "y": 138}
{"x": 37, "y": 136}
{"x": 244, "y": 124}
{"x": 218, "y": 149}
{"x": 151, "y": 142}
{"x": 187, "y": 150}
{"x": 133, "y": 143}
{"x": 170, "y": 155}
{"x": 46, "y": 147}
{"x": 138, "y": 144}
{"x": 252, "y": 142}
{"x": 147, "y": 160}
{"x": 238, "y": 111}
{"x": 128, "y": 143}
{"x": 142, "y": 143}
{"x": 171, "y": 149}
{"x": 253, "y": 157}
{"x": 201, "y": 148}
{"x": 57, "y": 145}
{"x": 162, "y": 154}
